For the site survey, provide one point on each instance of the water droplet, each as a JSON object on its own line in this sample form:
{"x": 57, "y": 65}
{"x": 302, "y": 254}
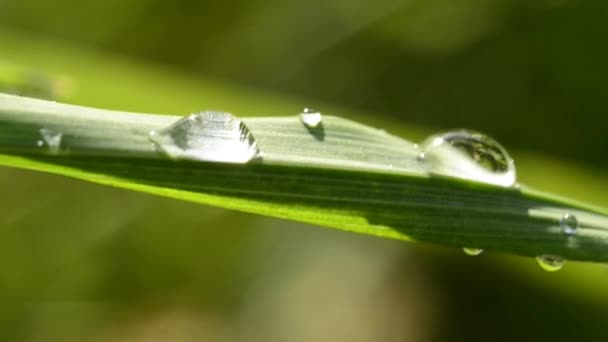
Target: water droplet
{"x": 51, "y": 139}
{"x": 207, "y": 136}
{"x": 311, "y": 118}
{"x": 468, "y": 155}
{"x": 550, "y": 263}
{"x": 569, "y": 224}
{"x": 472, "y": 251}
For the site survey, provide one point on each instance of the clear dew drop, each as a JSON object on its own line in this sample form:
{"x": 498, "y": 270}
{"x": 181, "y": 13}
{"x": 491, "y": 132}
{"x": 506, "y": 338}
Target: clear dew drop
{"x": 569, "y": 224}
{"x": 51, "y": 139}
{"x": 207, "y": 136}
{"x": 472, "y": 251}
{"x": 468, "y": 155}
{"x": 550, "y": 263}
{"x": 311, "y": 118}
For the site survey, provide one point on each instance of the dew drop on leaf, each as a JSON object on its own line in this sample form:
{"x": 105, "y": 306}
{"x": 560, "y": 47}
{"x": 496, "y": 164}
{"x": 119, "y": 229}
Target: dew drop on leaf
{"x": 468, "y": 155}
{"x": 51, "y": 139}
{"x": 550, "y": 263}
{"x": 569, "y": 224}
{"x": 311, "y": 118}
{"x": 207, "y": 136}
{"x": 472, "y": 251}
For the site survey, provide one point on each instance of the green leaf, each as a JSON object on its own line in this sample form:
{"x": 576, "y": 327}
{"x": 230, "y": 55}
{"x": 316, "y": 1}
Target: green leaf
{"x": 342, "y": 175}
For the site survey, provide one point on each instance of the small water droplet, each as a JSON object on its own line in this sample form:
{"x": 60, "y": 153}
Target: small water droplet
{"x": 468, "y": 155}
{"x": 472, "y": 251}
{"x": 51, "y": 139}
{"x": 550, "y": 263}
{"x": 311, "y": 118}
{"x": 207, "y": 136}
{"x": 569, "y": 224}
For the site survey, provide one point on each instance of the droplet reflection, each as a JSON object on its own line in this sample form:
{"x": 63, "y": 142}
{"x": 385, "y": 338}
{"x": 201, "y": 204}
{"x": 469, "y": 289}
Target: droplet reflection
{"x": 207, "y": 136}
{"x": 550, "y": 263}
{"x": 311, "y": 118}
{"x": 468, "y": 155}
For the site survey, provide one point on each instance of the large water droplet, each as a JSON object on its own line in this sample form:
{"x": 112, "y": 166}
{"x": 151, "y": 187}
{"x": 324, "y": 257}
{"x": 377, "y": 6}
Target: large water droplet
{"x": 207, "y": 136}
{"x": 472, "y": 251}
{"x": 550, "y": 263}
{"x": 51, "y": 139}
{"x": 468, "y": 155}
{"x": 569, "y": 224}
{"x": 311, "y": 118}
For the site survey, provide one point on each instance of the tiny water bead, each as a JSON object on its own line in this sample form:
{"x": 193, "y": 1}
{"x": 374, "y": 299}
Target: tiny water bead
{"x": 550, "y": 263}
{"x": 569, "y": 224}
{"x": 207, "y": 136}
{"x": 472, "y": 251}
{"x": 468, "y": 155}
{"x": 311, "y": 118}
{"x": 50, "y": 139}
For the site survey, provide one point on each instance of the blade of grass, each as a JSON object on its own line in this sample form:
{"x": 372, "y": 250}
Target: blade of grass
{"x": 354, "y": 178}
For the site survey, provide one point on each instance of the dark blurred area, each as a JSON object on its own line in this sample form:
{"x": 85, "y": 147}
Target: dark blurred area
{"x": 84, "y": 262}
{"x": 483, "y": 64}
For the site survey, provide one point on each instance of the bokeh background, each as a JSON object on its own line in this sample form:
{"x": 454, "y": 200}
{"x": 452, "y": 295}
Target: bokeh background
{"x": 84, "y": 262}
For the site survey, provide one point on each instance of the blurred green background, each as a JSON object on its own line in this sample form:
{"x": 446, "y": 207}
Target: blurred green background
{"x": 80, "y": 261}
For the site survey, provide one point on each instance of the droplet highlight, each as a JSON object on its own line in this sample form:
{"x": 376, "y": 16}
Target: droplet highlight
{"x": 51, "y": 139}
{"x": 207, "y": 136}
{"x": 550, "y": 263}
{"x": 472, "y": 251}
{"x": 311, "y": 118}
{"x": 569, "y": 224}
{"x": 468, "y": 155}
